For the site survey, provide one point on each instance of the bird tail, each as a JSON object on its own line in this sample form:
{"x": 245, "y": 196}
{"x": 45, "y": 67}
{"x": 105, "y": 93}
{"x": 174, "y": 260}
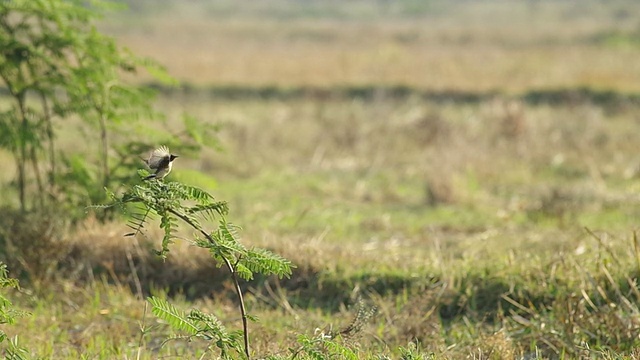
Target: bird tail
{"x": 152, "y": 176}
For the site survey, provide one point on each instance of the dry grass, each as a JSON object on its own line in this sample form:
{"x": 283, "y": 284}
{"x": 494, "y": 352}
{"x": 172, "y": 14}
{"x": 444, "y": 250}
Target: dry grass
{"x": 472, "y": 47}
{"x": 340, "y": 189}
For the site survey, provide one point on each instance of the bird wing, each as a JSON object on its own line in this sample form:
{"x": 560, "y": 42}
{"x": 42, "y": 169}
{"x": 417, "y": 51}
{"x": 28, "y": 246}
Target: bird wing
{"x": 157, "y": 157}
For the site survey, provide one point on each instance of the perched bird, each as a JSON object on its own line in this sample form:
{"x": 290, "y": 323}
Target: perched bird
{"x": 160, "y": 161}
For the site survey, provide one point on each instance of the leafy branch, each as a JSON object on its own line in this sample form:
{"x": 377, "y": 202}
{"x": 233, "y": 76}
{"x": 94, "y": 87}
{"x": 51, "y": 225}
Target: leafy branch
{"x": 175, "y": 203}
{"x": 8, "y": 315}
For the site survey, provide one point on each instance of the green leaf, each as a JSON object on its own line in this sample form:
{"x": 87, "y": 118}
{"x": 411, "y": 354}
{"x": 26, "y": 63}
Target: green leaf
{"x": 244, "y": 272}
{"x": 168, "y": 224}
{"x": 265, "y": 262}
{"x": 212, "y": 325}
{"x": 177, "y": 319}
{"x": 15, "y": 351}
{"x": 156, "y": 70}
{"x": 210, "y": 211}
{"x": 225, "y": 243}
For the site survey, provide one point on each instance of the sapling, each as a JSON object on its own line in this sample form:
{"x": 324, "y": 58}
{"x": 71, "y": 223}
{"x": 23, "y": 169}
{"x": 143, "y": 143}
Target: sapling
{"x": 176, "y": 204}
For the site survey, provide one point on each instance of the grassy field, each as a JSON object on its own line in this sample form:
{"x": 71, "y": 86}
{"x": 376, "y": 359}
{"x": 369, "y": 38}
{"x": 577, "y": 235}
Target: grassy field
{"x": 475, "y": 46}
{"x": 469, "y": 169}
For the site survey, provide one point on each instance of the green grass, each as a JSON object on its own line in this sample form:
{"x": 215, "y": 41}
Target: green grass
{"x": 490, "y": 260}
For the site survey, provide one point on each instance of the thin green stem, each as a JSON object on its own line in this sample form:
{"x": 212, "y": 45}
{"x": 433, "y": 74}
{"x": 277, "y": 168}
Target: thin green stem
{"x": 22, "y": 159}
{"x": 234, "y": 276}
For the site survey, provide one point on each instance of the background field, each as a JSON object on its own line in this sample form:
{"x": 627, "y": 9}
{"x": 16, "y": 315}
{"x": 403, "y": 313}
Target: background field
{"x": 468, "y": 168}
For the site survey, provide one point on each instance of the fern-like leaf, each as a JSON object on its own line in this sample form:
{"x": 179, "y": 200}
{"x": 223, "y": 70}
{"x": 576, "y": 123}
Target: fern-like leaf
{"x": 227, "y": 232}
{"x": 177, "y": 319}
{"x": 243, "y": 272}
{"x": 186, "y": 192}
{"x": 225, "y": 243}
{"x": 15, "y": 351}
{"x": 198, "y": 194}
{"x": 168, "y": 223}
{"x": 212, "y": 329}
{"x": 265, "y": 262}
{"x": 211, "y": 210}
{"x": 137, "y": 221}
{"x": 212, "y": 325}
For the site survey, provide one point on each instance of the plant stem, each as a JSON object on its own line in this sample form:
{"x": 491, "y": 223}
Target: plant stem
{"x": 104, "y": 140}
{"x": 22, "y": 159}
{"x": 243, "y": 310}
{"x": 50, "y": 138}
{"x": 234, "y": 276}
{"x": 36, "y": 171}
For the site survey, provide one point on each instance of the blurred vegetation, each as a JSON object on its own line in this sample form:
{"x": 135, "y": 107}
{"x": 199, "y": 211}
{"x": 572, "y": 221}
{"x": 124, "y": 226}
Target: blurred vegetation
{"x": 55, "y": 66}
{"x": 60, "y": 72}
{"x": 69, "y": 118}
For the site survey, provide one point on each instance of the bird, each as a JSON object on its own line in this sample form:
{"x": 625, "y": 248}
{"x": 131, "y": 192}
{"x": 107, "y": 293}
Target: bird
{"x": 161, "y": 161}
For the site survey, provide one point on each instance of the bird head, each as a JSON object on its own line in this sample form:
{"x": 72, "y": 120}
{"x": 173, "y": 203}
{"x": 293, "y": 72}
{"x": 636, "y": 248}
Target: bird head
{"x": 172, "y": 157}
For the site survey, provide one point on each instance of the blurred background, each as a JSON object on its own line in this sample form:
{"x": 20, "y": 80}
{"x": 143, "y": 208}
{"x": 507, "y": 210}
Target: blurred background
{"x": 402, "y": 120}
{"x": 470, "y": 168}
